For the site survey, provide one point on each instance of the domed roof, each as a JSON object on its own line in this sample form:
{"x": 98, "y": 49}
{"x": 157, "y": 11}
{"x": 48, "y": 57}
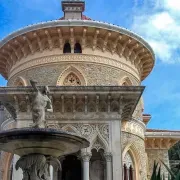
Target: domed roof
{"x": 112, "y": 38}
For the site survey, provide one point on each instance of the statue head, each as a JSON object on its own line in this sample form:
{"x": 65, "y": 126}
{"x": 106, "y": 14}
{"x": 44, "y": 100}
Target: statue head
{"x": 46, "y": 90}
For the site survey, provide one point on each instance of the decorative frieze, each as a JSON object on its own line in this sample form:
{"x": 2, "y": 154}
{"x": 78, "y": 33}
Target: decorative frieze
{"x": 122, "y": 105}
{"x": 126, "y": 46}
{"x": 73, "y": 58}
{"x": 108, "y": 156}
{"x": 134, "y": 127}
{"x": 86, "y": 156}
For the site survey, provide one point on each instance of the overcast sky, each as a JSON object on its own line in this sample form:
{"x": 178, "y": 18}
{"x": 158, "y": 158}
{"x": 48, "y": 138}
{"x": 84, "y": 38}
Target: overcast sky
{"x": 155, "y": 20}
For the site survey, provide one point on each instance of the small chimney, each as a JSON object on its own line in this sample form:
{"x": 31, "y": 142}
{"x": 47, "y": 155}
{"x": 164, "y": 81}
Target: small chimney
{"x": 73, "y": 9}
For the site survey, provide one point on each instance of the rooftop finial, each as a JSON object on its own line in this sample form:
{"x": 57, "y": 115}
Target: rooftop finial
{"x": 73, "y": 9}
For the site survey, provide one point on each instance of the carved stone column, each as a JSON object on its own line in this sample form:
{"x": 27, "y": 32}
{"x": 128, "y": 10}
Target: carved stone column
{"x": 51, "y": 172}
{"x": 108, "y": 157}
{"x": 17, "y": 174}
{"x": 85, "y": 162}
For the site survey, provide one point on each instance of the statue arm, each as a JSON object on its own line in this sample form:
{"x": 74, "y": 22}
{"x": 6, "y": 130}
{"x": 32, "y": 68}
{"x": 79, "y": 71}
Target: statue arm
{"x": 49, "y": 106}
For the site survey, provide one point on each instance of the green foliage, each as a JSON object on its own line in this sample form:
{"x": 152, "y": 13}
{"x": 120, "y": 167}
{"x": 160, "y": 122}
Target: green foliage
{"x": 157, "y": 175}
{"x": 174, "y": 157}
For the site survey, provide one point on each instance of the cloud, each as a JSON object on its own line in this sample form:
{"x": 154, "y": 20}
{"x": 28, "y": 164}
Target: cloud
{"x": 160, "y": 26}
{"x": 172, "y": 4}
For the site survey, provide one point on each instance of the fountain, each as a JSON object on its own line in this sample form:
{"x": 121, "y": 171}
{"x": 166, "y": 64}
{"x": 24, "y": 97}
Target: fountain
{"x": 39, "y": 146}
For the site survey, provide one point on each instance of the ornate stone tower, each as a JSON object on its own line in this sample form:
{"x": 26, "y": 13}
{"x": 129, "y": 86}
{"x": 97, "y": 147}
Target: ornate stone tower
{"x": 95, "y": 71}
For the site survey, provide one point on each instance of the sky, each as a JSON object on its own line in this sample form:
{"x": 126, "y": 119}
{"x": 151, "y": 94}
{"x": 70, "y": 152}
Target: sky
{"x": 154, "y": 20}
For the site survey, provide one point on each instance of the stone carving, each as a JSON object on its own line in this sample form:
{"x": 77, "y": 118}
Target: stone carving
{"x": 36, "y": 166}
{"x": 86, "y": 130}
{"x": 108, "y": 156}
{"x": 97, "y": 134}
{"x": 84, "y": 59}
{"x": 95, "y": 75}
{"x": 128, "y": 160}
{"x": 98, "y": 145}
{"x": 134, "y": 127}
{"x": 72, "y": 80}
{"x": 75, "y": 72}
{"x": 86, "y": 156}
{"x": 40, "y": 103}
{"x": 138, "y": 147}
{"x": 104, "y": 131}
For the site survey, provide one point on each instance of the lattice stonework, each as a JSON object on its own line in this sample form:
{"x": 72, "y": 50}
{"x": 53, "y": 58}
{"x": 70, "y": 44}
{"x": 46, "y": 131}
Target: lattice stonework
{"x": 72, "y": 80}
{"x": 128, "y": 160}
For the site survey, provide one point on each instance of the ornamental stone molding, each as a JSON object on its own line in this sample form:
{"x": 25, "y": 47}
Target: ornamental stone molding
{"x": 50, "y": 35}
{"x": 71, "y": 76}
{"x": 85, "y": 156}
{"x": 73, "y": 58}
{"x": 8, "y": 124}
{"x": 136, "y": 147}
{"x": 94, "y": 74}
{"x": 109, "y": 103}
{"x": 97, "y": 134}
{"x": 135, "y": 127}
{"x": 20, "y": 81}
{"x": 108, "y": 156}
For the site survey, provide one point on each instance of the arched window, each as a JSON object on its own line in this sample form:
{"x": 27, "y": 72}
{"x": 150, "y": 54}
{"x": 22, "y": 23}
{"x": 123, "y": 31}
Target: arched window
{"x": 128, "y": 167}
{"x": 97, "y": 165}
{"x": 67, "y": 48}
{"x": 20, "y": 82}
{"x": 71, "y": 77}
{"x": 126, "y": 82}
{"x": 77, "y": 48}
{"x": 72, "y": 80}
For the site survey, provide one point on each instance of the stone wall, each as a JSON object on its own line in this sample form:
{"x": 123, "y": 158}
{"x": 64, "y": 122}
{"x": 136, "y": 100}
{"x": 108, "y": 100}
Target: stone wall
{"x": 94, "y": 74}
{"x": 155, "y": 155}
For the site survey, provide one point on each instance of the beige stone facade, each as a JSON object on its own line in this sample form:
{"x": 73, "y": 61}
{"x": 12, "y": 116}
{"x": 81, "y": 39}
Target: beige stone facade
{"x": 108, "y": 56}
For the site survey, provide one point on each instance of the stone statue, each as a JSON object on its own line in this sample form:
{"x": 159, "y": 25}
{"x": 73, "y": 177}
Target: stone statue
{"x": 36, "y": 166}
{"x": 40, "y": 104}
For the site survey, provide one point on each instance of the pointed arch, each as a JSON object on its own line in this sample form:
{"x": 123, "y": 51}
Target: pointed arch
{"x": 71, "y": 73}
{"x": 125, "y": 81}
{"x": 97, "y": 138}
{"x": 20, "y": 81}
{"x": 134, "y": 153}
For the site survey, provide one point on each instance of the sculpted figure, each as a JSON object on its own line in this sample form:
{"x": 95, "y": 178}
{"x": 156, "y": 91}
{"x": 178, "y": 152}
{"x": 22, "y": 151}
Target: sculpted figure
{"x": 40, "y": 104}
{"x": 36, "y": 166}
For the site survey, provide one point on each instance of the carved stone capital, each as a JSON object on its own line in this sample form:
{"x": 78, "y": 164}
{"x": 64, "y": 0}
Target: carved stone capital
{"x": 108, "y": 156}
{"x": 86, "y": 156}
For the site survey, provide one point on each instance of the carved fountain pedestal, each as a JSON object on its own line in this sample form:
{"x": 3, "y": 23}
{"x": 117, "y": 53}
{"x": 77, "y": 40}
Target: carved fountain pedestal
{"x": 39, "y": 148}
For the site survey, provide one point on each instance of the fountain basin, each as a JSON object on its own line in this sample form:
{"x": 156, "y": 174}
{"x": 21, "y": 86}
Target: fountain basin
{"x": 42, "y": 141}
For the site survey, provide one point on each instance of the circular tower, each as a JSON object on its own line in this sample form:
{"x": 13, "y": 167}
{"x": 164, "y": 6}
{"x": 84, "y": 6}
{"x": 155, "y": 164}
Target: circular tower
{"x": 78, "y": 51}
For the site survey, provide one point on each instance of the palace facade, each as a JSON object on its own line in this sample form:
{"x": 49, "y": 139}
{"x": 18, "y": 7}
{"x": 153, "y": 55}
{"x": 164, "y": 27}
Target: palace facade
{"x": 94, "y": 71}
